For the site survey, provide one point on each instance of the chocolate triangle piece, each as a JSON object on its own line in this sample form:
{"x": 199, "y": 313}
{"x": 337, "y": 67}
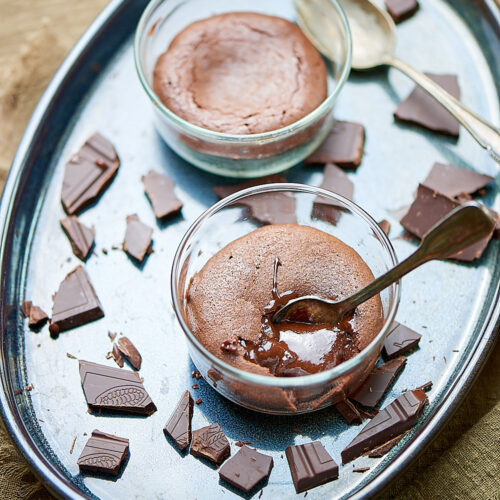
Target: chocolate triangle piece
{"x": 400, "y": 340}
{"x": 349, "y": 412}
{"x": 138, "y": 238}
{"x": 80, "y": 236}
{"x": 75, "y": 303}
{"x": 129, "y": 350}
{"x": 114, "y": 389}
{"x": 117, "y": 356}
{"x": 26, "y": 308}
{"x": 38, "y": 317}
{"x": 385, "y": 226}
{"x": 178, "y": 426}
{"x": 422, "y": 109}
{"x": 160, "y": 191}
{"x": 210, "y": 443}
{"x": 374, "y": 387}
{"x": 103, "y": 453}
{"x": 88, "y": 173}
{"x": 398, "y": 417}
{"x": 400, "y": 10}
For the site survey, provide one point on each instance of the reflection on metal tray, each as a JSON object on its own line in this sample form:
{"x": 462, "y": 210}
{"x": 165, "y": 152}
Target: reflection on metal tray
{"x": 456, "y": 307}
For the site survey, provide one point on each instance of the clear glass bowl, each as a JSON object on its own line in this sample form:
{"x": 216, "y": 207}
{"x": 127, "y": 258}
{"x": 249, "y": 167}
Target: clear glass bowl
{"x": 227, "y": 221}
{"x": 250, "y": 155}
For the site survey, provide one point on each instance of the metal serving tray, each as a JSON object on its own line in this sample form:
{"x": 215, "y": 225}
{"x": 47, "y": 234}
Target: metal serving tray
{"x": 455, "y": 306}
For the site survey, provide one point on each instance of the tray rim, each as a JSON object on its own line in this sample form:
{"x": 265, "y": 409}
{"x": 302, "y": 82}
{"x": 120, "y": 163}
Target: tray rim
{"x": 54, "y": 479}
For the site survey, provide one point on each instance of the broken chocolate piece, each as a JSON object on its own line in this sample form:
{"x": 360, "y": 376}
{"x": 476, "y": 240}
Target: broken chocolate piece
{"x": 422, "y": 109}
{"x": 381, "y": 450}
{"x": 37, "y": 316}
{"x": 246, "y": 469}
{"x": 374, "y": 387}
{"x": 210, "y": 443}
{"x": 426, "y": 387}
{"x": 26, "y": 308}
{"x": 398, "y": 417}
{"x": 75, "y": 303}
{"x": 400, "y": 340}
{"x": 88, "y": 173}
{"x": 349, "y": 412}
{"x": 160, "y": 191}
{"x": 117, "y": 356}
{"x": 385, "y": 226}
{"x": 80, "y": 236}
{"x": 103, "y": 453}
{"x": 114, "y": 389}
{"x": 178, "y": 426}
{"x": 137, "y": 242}
{"x": 343, "y": 146}
{"x": 129, "y": 350}
{"x": 400, "y": 10}
{"x": 310, "y": 465}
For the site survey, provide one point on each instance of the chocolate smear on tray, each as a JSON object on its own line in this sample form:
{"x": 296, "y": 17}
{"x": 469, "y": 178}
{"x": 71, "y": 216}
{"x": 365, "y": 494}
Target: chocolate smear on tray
{"x": 400, "y": 10}
{"x": 246, "y": 469}
{"x": 114, "y": 389}
{"x": 343, "y": 146}
{"x": 385, "y": 226}
{"x": 178, "y": 426}
{"x": 37, "y": 317}
{"x": 138, "y": 238}
{"x": 310, "y": 465}
{"x": 349, "y": 412}
{"x": 80, "y": 236}
{"x": 210, "y": 443}
{"x": 88, "y": 173}
{"x": 398, "y": 417}
{"x": 160, "y": 191}
{"x": 129, "y": 350}
{"x": 381, "y": 450}
{"x": 103, "y": 453}
{"x": 75, "y": 303}
{"x": 422, "y": 109}
{"x": 400, "y": 340}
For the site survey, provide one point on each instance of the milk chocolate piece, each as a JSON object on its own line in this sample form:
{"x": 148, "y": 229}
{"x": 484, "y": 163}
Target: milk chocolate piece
{"x": 452, "y": 181}
{"x": 75, "y": 303}
{"x": 310, "y": 465}
{"x": 381, "y": 450}
{"x": 344, "y": 146}
{"x": 349, "y": 412}
{"x": 114, "y": 389}
{"x": 103, "y": 453}
{"x": 422, "y": 109}
{"x": 385, "y": 226}
{"x": 178, "y": 426}
{"x": 80, "y": 236}
{"x": 246, "y": 469}
{"x": 129, "y": 350}
{"x": 398, "y": 417}
{"x": 117, "y": 356}
{"x": 88, "y": 173}
{"x": 374, "y": 387}
{"x": 429, "y": 208}
{"x": 37, "y": 317}
{"x": 26, "y": 308}
{"x": 210, "y": 443}
{"x": 400, "y": 340}
{"x": 160, "y": 191}
{"x": 335, "y": 180}
{"x": 137, "y": 242}
{"x": 400, "y": 10}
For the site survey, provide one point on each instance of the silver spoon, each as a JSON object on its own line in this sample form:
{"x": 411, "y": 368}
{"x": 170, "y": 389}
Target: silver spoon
{"x": 461, "y": 228}
{"x": 373, "y": 36}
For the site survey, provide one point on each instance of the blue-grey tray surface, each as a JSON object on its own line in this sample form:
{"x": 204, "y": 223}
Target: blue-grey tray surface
{"x": 455, "y": 306}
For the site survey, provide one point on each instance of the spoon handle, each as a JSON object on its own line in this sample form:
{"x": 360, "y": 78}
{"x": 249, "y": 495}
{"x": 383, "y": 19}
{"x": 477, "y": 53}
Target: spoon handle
{"x": 486, "y": 134}
{"x": 461, "y": 228}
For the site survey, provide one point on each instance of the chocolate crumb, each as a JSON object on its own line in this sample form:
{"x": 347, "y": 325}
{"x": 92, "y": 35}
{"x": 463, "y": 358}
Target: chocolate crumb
{"x": 229, "y": 345}
{"x": 70, "y": 356}
{"x": 297, "y": 430}
{"x": 112, "y": 336}
{"x": 72, "y": 446}
{"x": 260, "y": 494}
{"x": 104, "y": 251}
{"x": 199, "y": 401}
{"x": 196, "y": 374}
{"x": 195, "y": 386}
{"x": 30, "y": 387}
{"x": 361, "y": 469}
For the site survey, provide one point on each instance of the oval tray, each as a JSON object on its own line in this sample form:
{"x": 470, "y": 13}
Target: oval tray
{"x": 455, "y": 306}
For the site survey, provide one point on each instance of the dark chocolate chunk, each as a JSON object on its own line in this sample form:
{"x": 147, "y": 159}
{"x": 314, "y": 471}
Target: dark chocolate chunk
{"x": 38, "y": 317}
{"x": 210, "y": 443}
{"x": 348, "y": 411}
{"x": 373, "y": 388}
{"x": 129, "y": 350}
{"x": 400, "y": 340}
{"x": 160, "y": 191}
{"x": 114, "y": 389}
{"x": 343, "y": 146}
{"x": 426, "y": 387}
{"x": 80, "y": 236}
{"x": 429, "y": 208}
{"x": 396, "y": 418}
{"x": 75, "y": 303}
{"x": 453, "y": 181}
{"x": 103, "y": 453}
{"x": 117, "y": 356}
{"x": 246, "y": 469}
{"x": 88, "y": 173}
{"x": 137, "y": 242}
{"x": 178, "y": 426}
{"x": 385, "y": 226}
{"x": 381, "y": 450}
{"x": 422, "y": 109}
{"x": 335, "y": 180}
{"x": 400, "y": 10}
{"x": 26, "y": 308}
{"x": 311, "y": 465}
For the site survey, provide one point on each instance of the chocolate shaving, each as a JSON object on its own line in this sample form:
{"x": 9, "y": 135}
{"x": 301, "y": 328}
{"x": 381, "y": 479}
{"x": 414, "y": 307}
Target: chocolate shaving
{"x": 117, "y": 356}
{"x": 80, "y": 236}
{"x": 130, "y": 352}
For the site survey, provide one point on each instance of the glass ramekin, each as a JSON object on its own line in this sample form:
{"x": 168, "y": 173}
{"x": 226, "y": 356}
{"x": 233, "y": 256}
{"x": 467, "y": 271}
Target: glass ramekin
{"x": 226, "y": 221}
{"x": 249, "y": 155}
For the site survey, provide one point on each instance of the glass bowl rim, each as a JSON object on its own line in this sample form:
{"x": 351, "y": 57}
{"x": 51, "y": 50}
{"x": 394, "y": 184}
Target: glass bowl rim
{"x": 262, "y": 137}
{"x": 285, "y": 382}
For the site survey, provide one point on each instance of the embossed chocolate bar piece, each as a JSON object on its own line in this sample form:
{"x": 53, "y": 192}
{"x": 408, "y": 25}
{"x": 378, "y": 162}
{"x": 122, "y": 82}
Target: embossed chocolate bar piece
{"x": 210, "y": 443}
{"x": 137, "y": 242}
{"x": 80, "y": 236}
{"x": 400, "y": 340}
{"x": 114, "y": 389}
{"x": 178, "y": 426}
{"x": 103, "y": 453}
{"x": 160, "y": 191}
